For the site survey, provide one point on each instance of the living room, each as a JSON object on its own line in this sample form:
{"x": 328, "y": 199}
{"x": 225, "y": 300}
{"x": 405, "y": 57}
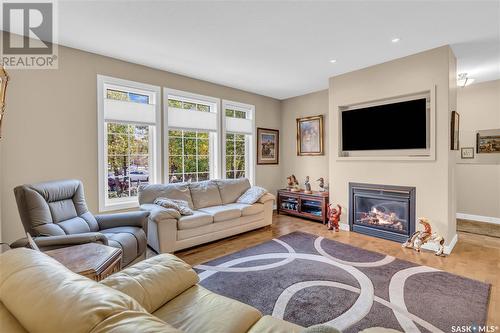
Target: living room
{"x": 340, "y": 174}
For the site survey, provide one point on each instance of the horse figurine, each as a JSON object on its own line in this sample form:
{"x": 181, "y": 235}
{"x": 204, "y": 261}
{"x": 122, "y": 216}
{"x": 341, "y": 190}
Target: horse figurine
{"x": 334, "y": 217}
{"x": 419, "y": 238}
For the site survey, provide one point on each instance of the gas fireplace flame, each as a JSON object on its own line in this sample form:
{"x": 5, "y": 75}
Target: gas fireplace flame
{"x": 378, "y": 217}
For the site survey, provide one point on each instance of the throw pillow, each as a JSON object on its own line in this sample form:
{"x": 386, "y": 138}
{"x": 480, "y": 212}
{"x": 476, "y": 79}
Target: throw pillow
{"x": 252, "y": 195}
{"x": 181, "y": 206}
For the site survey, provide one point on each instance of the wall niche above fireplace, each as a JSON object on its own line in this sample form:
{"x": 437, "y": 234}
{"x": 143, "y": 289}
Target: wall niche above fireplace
{"x": 384, "y": 211}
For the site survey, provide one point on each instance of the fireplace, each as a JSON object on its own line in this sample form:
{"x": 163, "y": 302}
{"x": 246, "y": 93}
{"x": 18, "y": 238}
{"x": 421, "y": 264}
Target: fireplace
{"x": 383, "y": 211}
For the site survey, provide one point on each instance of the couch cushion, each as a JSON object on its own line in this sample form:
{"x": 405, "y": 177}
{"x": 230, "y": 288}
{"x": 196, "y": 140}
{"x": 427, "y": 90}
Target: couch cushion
{"x": 268, "y": 324}
{"x": 222, "y": 213}
{"x": 196, "y": 220}
{"x": 231, "y": 189}
{"x": 246, "y": 210}
{"x": 131, "y": 240}
{"x": 154, "y": 281}
{"x": 199, "y": 310}
{"x": 205, "y": 194}
{"x": 179, "y": 191}
{"x": 74, "y": 303}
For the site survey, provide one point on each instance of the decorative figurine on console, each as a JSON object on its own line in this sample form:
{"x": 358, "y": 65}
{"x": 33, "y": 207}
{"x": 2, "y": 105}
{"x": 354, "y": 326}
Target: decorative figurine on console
{"x": 419, "y": 238}
{"x": 292, "y": 183}
{"x": 334, "y": 217}
{"x": 307, "y": 185}
{"x": 321, "y": 184}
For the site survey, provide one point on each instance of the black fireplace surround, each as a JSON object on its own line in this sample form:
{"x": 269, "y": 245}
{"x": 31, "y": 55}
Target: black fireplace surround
{"x": 383, "y": 211}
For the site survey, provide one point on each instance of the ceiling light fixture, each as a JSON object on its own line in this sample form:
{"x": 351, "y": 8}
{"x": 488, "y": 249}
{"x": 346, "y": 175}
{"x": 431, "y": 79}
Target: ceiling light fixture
{"x": 395, "y": 40}
{"x": 463, "y": 80}
{"x": 333, "y": 61}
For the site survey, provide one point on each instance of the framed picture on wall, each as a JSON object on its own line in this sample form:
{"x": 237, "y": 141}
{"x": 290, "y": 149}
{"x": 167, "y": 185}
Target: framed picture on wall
{"x": 488, "y": 141}
{"x": 310, "y": 136}
{"x": 455, "y": 127}
{"x": 268, "y": 146}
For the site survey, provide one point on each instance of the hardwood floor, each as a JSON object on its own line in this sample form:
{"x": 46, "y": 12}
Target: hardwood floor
{"x": 474, "y": 256}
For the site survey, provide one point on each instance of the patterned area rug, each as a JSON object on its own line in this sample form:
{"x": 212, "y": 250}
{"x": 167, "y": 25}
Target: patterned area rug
{"x": 309, "y": 280}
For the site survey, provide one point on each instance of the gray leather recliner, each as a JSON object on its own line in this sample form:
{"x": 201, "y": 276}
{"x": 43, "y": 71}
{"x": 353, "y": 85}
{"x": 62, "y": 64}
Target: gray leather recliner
{"x": 56, "y": 215}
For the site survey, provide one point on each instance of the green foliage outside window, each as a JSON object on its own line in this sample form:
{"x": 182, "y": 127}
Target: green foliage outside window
{"x": 188, "y": 155}
{"x": 127, "y": 158}
{"x": 235, "y": 155}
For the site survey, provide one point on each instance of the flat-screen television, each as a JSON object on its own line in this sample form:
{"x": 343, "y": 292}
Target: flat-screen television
{"x": 401, "y": 125}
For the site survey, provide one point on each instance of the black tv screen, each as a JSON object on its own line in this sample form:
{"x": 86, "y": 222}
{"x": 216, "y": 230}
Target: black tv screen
{"x": 400, "y": 125}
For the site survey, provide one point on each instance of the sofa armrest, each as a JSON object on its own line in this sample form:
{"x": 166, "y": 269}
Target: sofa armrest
{"x": 128, "y": 219}
{"x": 266, "y": 197}
{"x": 46, "y": 243}
{"x": 159, "y": 213}
{"x": 154, "y": 281}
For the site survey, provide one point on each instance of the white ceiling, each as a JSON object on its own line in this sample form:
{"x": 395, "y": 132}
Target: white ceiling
{"x": 282, "y": 48}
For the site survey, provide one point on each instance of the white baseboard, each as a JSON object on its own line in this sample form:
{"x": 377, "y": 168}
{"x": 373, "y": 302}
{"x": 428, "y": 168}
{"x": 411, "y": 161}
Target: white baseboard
{"x": 447, "y": 248}
{"x": 479, "y": 218}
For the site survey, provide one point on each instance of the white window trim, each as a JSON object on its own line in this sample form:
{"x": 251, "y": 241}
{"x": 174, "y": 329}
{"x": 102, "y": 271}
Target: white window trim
{"x": 250, "y": 163}
{"x": 154, "y": 145}
{"x": 215, "y": 159}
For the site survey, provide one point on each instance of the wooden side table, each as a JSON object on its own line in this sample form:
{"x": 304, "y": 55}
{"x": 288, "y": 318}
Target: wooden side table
{"x": 92, "y": 260}
{"x": 312, "y": 206}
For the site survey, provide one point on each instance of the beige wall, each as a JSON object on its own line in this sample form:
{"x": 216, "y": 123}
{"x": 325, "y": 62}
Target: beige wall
{"x": 478, "y": 180}
{"x": 432, "y": 179}
{"x": 312, "y": 104}
{"x": 50, "y": 129}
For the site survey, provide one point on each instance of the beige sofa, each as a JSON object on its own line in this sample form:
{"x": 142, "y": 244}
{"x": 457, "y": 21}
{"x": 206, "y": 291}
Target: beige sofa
{"x": 160, "y": 294}
{"x": 216, "y": 213}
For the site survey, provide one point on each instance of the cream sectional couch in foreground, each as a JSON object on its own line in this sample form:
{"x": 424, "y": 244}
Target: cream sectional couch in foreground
{"x": 160, "y": 294}
{"x": 216, "y": 213}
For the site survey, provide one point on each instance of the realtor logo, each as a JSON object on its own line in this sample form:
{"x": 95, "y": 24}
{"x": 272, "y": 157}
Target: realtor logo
{"x": 28, "y": 35}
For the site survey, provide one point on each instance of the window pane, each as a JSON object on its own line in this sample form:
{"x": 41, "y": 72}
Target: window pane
{"x": 202, "y": 135}
{"x": 229, "y": 136}
{"x": 229, "y": 174}
{"x": 139, "y": 143}
{"x": 175, "y": 146}
{"x": 173, "y": 133}
{"x": 240, "y": 148}
{"x": 175, "y": 178}
{"x": 203, "y": 176}
{"x": 239, "y": 174}
{"x": 189, "y": 134}
{"x": 203, "y": 147}
{"x": 174, "y": 103}
{"x": 240, "y": 114}
{"x": 138, "y": 98}
{"x": 190, "y": 177}
{"x": 117, "y": 144}
{"x": 239, "y": 137}
{"x": 239, "y": 163}
{"x": 229, "y": 162}
{"x": 229, "y": 113}
{"x": 203, "y": 108}
{"x": 230, "y": 147}
{"x": 116, "y": 95}
{"x": 188, "y": 106}
{"x": 189, "y": 146}
{"x": 118, "y": 185}
{"x": 117, "y": 128}
{"x": 189, "y": 164}
{"x": 203, "y": 164}
{"x": 175, "y": 164}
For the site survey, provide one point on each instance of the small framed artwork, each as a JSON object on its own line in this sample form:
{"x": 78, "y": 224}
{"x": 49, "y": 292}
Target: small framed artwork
{"x": 268, "y": 146}
{"x": 455, "y": 127}
{"x": 467, "y": 152}
{"x": 488, "y": 141}
{"x": 310, "y": 136}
